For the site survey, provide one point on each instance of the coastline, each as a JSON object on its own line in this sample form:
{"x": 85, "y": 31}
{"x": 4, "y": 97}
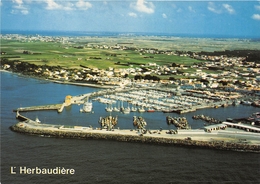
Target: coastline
{"x": 61, "y": 82}
{"x": 83, "y": 84}
{"x": 198, "y": 139}
{"x": 219, "y": 141}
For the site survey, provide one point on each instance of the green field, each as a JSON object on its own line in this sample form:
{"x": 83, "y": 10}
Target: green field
{"x": 93, "y": 54}
{"x": 65, "y": 55}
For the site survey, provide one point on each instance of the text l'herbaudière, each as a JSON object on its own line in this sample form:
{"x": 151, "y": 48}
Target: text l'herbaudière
{"x": 41, "y": 171}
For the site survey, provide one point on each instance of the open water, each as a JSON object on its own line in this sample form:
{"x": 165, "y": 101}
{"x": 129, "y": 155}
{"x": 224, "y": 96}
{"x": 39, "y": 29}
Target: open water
{"x": 101, "y": 161}
{"x": 109, "y": 34}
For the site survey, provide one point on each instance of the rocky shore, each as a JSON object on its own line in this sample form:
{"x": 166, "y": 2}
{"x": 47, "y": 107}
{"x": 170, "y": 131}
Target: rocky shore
{"x": 131, "y": 136}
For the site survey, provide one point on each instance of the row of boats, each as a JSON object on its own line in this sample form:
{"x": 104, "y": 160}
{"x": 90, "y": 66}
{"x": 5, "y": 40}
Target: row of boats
{"x": 151, "y": 100}
{"x": 125, "y": 110}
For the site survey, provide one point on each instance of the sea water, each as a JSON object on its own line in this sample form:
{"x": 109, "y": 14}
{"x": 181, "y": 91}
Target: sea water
{"x": 103, "y": 161}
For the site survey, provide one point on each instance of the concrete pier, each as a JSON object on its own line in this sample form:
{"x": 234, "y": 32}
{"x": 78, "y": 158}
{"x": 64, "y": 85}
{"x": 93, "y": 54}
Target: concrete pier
{"x": 194, "y": 138}
{"x": 61, "y": 108}
{"x": 21, "y": 117}
{"x": 39, "y": 108}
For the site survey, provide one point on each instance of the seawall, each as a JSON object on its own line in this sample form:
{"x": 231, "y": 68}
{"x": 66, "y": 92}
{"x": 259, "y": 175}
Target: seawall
{"x": 128, "y": 136}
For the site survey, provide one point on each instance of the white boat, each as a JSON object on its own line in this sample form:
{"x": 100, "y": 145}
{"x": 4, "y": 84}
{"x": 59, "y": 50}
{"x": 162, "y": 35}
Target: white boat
{"x": 37, "y": 120}
{"x": 134, "y": 109}
{"x": 244, "y": 102}
{"x": 87, "y": 107}
{"x": 115, "y": 109}
{"x": 141, "y": 109}
{"x": 126, "y": 110}
{"x": 109, "y": 108}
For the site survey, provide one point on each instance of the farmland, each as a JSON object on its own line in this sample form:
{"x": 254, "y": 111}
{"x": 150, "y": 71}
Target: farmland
{"x": 72, "y": 56}
{"x": 138, "y": 57}
{"x": 116, "y": 52}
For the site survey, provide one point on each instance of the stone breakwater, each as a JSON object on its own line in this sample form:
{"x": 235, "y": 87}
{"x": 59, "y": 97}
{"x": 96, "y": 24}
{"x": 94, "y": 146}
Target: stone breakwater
{"x": 119, "y": 135}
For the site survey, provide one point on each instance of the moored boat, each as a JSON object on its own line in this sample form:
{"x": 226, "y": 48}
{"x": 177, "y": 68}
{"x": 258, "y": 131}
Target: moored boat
{"x": 115, "y": 109}
{"x": 150, "y": 110}
{"x": 87, "y": 107}
{"x": 109, "y": 108}
{"x": 256, "y": 103}
{"x": 37, "y": 120}
{"x": 244, "y": 102}
{"x": 126, "y": 110}
{"x": 141, "y": 109}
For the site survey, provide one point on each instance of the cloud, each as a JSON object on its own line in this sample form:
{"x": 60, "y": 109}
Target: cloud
{"x": 164, "y": 16}
{"x": 52, "y": 5}
{"x": 229, "y": 8}
{"x": 213, "y": 8}
{"x": 143, "y": 6}
{"x": 81, "y": 4}
{"x": 18, "y": 1}
{"x": 257, "y": 7}
{"x": 25, "y": 12}
{"x": 179, "y": 10}
{"x": 191, "y": 9}
{"x": 256, "y": 16}
{"x": 220, "y": 9}
{"x": 131, "y": 14}
{"x": 174, "y": 6}
{"x": 19, "y": 7}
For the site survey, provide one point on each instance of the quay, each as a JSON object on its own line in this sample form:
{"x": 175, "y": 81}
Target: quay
{"x": 224, "y": 140}
{"x": 21, "y": 117}
{"x": 39, "y": 108}
{"x": 141, "y": 99}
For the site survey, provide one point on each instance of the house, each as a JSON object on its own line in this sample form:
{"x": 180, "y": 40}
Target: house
{"x": 214, "y": 85}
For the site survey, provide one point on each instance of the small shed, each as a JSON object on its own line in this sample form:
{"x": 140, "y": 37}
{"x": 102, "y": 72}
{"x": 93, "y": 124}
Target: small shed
{"x": 210, "y": 128}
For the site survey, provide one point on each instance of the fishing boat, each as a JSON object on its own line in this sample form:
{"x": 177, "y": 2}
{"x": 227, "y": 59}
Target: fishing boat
{"x": 37, "y": 120}
{"x": 245, "y": 102}
{"x": 133, "y": 109}
{"x": 115, "y": 109}
{"x": 235, "y": 103}
{"x": 141, "y": 109}
{"x": 167, "y": 110}
{"x": 126, "y": 110}
{"x": 109, "y": 108}
{"x": 87, "y": 107}
{"x": 150, "y": 110}
{"x": 256, "y": 103}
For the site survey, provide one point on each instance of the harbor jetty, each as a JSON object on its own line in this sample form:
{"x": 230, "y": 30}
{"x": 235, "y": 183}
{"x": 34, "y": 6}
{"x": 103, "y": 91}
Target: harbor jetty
{"x": 39, "y": 108}
{"x": 220, "y": 135}
{"x": 199, "y": 138}
{"x": 140, "y": 99}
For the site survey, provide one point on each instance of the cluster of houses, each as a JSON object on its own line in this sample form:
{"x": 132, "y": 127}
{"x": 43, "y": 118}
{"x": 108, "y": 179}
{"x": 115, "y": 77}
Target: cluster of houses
{"x": 33, "y": 38}
{"x": 227, "y": 80}
{"x": 229, "y": 73}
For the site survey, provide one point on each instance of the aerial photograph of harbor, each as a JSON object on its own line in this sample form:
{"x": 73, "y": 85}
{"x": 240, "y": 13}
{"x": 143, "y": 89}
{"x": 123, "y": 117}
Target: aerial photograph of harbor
{"x": 134, "y": 91}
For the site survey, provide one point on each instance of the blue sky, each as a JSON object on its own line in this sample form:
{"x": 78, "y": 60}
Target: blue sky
{"x": 224, "y": 18}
